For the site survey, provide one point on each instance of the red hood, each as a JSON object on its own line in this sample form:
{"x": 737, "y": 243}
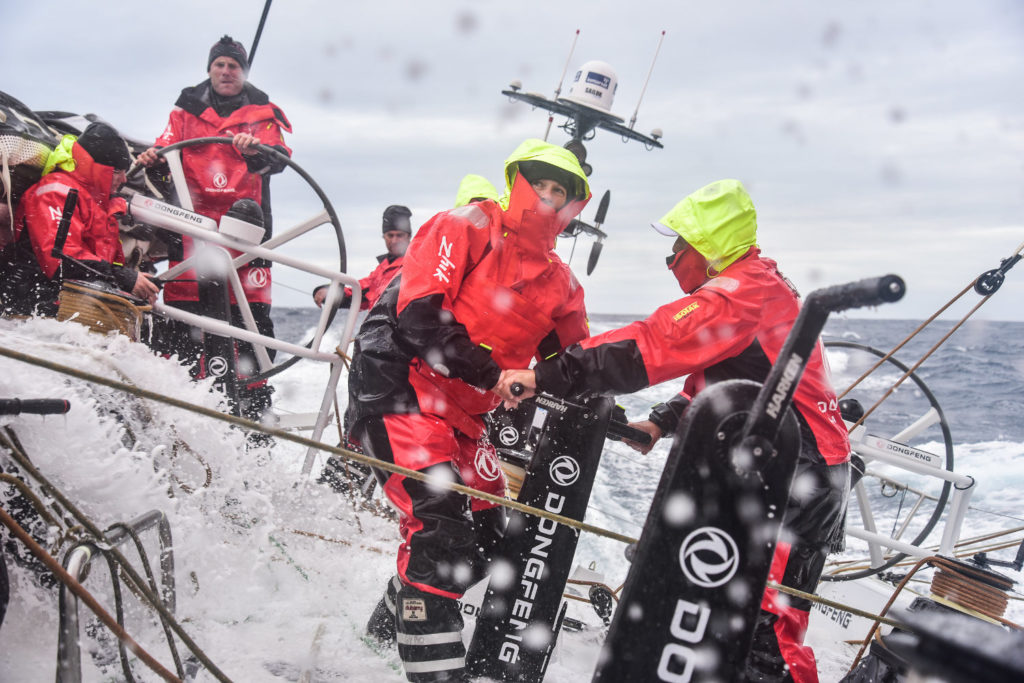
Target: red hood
{"x": 96, "y": 177}
{"x": 533, "y": 224}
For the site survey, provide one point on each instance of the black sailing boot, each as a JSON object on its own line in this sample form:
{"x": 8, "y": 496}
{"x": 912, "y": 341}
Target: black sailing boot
{"x": 382, "y": 622}
{"x": 430, "y": 636}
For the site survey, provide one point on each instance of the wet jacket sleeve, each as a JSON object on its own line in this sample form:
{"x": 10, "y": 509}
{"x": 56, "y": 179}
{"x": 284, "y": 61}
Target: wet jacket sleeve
{"x": 434, "y": 267}
{"x": 676, "y": 340}
{"x": 571, "y": 324}
{"x": 269, "y": 133}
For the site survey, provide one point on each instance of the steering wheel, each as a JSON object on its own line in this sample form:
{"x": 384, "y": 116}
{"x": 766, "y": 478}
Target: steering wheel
{"x": 326, "y": 215}
{"x": 875, "y": 497}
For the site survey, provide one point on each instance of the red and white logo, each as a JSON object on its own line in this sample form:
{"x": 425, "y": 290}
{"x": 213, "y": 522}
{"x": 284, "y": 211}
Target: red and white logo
{"x": 258, "y": 278}
{"x": 486, "y": 464}
{"x": 220, "y": 181}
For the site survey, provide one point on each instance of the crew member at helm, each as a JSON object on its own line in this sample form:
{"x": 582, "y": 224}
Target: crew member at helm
{"x": 94, "y": 164}
{"x": 481, "y": 290}
{"x": 218, "y": 175}
{"x": 731, "y": 325}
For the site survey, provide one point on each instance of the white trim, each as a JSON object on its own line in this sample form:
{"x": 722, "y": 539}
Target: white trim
{"x": 431, "y": 666}
{"x": 430, "y": 638}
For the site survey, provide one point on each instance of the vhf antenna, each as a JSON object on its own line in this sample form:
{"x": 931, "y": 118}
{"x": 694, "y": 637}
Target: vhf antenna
{"x": 259, "y": 31}
{"x": 649, "y": 72}
{"x": 558, "y": 90}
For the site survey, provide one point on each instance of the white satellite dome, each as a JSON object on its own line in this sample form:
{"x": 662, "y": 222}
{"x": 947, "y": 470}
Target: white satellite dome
{"x": 594, "y": 86}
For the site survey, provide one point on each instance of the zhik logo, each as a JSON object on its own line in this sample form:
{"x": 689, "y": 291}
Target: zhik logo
{"x": 709, "y": 557}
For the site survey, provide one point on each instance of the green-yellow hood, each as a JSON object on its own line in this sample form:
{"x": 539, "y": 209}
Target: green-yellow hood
{"x": 538, "y": 150}
{"x": 718, "y": 220}
{"x": 472, "y": 187}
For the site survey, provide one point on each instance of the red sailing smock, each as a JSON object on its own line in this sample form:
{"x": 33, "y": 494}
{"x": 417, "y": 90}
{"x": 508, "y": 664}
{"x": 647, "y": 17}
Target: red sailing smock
{"x": 480, "y": 290}
{"x": 218, "y": 174}
{"x": 733, "y": 326}
{"x": 93, "y": 233}
{"x": 373, "y": 284}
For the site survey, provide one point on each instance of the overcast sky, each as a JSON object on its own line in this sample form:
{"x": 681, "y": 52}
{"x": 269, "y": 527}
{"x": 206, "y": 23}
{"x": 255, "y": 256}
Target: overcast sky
{"x": 874, "y": 137}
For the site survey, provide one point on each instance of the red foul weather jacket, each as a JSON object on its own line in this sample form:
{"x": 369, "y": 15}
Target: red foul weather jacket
{"x": 218, "y": 174}
{"x": 479, "y": 291}
{"x": 373, "y": 284}
{"x": 732, "y": 327}
{"x": 93, "y": 233}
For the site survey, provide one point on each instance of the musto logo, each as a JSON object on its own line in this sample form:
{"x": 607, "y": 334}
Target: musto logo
{"x": 708, "y": 557}
{"x": 487, "y": 464}
{"x": 564, "y": 470}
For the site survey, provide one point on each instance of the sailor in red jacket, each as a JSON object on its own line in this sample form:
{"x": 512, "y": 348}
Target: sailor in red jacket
{"x": 225, "y": 105}
{"x": 732, "y": 325}
{"x": 94, "y": 164}
{"x": 397, "y": 231}
{"x": 481, "y": 290}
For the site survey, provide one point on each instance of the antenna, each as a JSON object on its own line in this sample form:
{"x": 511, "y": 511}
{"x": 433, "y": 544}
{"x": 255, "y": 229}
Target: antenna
{"x": 558, "y": 90}
{"x": 649, "y": 72}
{"x": 259, "y": 31}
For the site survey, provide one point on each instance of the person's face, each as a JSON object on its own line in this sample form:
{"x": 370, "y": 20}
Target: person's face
{"x": 226, "y": 76}
{"x": 550, "y": 192}
{"x": 119, "y": 179}
{"x": 397, "y": 242}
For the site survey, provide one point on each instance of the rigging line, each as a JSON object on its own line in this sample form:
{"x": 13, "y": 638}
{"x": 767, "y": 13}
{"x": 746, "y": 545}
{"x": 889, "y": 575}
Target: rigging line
{"x": 811, "y": 597}
{"x": 310, "y": 443}
{"x": 910, "y": 336}
{"x": 918, "y": 364}
{"x": 9, "y": 440}
{"x": 997, "y": 514}
{"x": 85, "y": 596}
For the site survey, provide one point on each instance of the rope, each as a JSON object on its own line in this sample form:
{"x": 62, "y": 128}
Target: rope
{"x": 8, "y": 440}
{"x": 930, "y": 351}
{"x": 86, "y": 597}
{"x": 95, "y": 310}
{"x": 310, "y": 443}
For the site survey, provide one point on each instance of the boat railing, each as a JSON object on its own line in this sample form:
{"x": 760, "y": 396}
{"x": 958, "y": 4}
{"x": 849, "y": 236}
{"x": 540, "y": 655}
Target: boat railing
{"x": 213, "y": 255}
{"x": 77, "y": 562}
{"x": 893, "y": 453}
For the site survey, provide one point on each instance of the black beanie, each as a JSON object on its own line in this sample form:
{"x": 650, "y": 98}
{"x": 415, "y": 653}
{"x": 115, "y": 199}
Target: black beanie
{"x": 105, "y": 146}
{"x": 396, "y": 217}
{"x": 229, "y": 47}
{"x": 534, "y": 170}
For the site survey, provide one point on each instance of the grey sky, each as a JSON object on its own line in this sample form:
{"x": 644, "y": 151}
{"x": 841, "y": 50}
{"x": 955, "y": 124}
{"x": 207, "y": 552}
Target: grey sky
{"x": 874, "y": 137}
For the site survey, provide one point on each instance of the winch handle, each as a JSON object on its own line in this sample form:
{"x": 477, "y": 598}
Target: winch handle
{"x": 35, "y": 406}
{"x": 620, "y": 431}
{"x": 872, "y": 291}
